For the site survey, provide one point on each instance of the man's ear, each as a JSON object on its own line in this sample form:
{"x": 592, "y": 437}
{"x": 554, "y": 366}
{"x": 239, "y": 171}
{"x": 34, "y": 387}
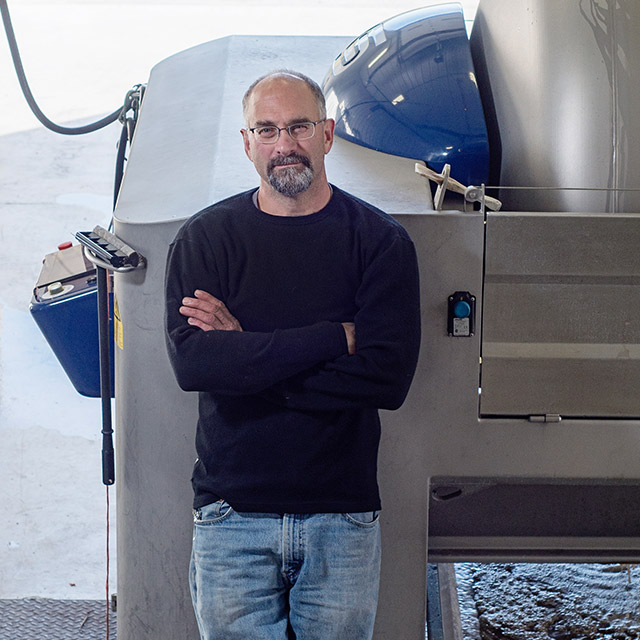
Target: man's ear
{"x": 246, "y": 141}
{"x": 328, "y": 132}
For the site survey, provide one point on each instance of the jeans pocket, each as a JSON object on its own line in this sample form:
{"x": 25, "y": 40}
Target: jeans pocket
{"x": 363, "y": 518}
{"x": 212, "y": 513}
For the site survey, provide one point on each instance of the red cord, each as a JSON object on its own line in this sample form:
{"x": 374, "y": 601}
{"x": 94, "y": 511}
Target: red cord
{"x": 109, "y": 287}
{"x": 107, "y": 581}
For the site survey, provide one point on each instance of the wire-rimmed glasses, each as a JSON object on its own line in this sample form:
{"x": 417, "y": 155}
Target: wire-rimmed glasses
{"x": 269, "y": 134}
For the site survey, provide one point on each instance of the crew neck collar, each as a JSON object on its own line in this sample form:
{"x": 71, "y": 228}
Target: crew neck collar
{"x": 293, "y": 220}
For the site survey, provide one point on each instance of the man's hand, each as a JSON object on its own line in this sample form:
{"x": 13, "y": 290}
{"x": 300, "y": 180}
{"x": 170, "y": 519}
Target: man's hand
{"x": 208, "y": 313}
{"x": 350, "y": 330}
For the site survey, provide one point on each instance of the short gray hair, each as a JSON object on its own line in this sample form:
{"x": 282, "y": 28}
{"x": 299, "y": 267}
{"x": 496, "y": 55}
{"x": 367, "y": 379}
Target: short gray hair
{"x": 313, "y": 87}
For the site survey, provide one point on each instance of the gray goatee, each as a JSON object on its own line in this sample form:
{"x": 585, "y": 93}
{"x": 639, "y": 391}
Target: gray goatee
{"x": 292, "y": 180}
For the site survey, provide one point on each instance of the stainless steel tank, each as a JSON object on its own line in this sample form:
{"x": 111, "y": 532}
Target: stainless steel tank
{"x": 560, "y": 83}
{"x": 501, "y": 465}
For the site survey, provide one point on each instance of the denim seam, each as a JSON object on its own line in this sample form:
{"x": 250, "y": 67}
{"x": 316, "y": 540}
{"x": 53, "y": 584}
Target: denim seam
{"x": 364, "y": 525}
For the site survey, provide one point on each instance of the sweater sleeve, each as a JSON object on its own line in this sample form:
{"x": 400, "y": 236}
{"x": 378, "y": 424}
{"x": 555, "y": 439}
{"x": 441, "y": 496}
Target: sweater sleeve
{"x": 387, "y": 325}
{"x": 234, "y": 362}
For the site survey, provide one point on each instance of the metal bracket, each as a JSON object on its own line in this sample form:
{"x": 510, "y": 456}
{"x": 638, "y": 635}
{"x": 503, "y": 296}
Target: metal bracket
{"x": 475, "y": 194}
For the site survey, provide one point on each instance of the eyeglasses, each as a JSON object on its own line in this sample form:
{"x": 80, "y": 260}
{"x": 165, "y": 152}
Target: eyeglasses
{"x": 298, "y": 131}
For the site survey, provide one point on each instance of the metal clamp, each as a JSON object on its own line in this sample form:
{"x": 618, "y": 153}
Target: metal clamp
{"x": 445, "y": 181}
{"x": 475, "y": 194}
{"x": 98, "y": 262}
{"x": 105, "y": 250}
{"x": 132, "y": 100}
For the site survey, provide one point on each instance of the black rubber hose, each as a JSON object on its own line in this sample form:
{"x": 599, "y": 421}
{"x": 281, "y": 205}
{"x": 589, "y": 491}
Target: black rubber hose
{"x": 120, "y": 158}
{"x": 26, "y": 91}
{"x": 108, "y": 464}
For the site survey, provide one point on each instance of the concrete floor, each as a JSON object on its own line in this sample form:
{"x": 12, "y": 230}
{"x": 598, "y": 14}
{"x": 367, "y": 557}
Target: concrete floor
{"x": 81, "y": 58}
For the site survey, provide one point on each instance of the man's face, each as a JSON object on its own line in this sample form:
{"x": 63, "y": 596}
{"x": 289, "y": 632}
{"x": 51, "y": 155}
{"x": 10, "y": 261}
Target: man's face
{"x": 289, "y": 166}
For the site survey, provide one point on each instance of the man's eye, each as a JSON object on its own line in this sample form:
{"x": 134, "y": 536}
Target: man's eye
{"x": 266, "y": 132}
{"x": 301, "y": 127}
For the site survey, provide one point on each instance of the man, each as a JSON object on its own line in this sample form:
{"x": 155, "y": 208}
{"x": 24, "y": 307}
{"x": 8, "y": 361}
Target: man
{"x": 293, "y": 310}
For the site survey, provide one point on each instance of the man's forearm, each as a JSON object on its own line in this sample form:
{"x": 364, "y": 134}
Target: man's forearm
{"x": 378, "y": 379}
{"x": 241, "y": 362}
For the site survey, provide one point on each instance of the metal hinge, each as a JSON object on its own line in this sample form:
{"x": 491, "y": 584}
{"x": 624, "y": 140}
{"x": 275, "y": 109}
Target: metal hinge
{"x": 547, "y": 417}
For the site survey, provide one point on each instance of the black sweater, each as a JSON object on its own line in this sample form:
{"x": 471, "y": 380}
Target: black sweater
{"x": 288, "y": 421}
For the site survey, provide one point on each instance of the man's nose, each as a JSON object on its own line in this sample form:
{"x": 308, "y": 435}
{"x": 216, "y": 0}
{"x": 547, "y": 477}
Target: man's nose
{"x": 285, "y": 142}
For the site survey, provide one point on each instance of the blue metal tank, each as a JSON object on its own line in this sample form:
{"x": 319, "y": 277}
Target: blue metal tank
{"x": 407, "y": 87}
{"x": 65, "y": 308}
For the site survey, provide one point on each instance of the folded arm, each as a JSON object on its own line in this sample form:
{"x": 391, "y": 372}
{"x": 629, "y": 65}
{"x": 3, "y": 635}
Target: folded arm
{"x": 208, "y": 349}
{"x": 387, "y": 328}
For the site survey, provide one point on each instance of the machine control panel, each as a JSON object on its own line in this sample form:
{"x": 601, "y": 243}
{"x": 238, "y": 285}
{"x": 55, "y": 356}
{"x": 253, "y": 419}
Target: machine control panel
{"x": 461, "y": 315}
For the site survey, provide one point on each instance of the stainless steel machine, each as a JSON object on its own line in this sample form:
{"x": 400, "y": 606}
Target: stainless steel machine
{"x": 519, "y": 439}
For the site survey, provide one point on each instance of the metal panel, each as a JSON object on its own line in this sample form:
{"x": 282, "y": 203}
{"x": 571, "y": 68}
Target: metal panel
{"x": 561, "y": 323}
{"x": 537, "y": 520}
{"x": 483, "y": 472}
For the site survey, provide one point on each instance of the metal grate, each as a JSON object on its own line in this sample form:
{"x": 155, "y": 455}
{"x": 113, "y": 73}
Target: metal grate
{"x": 45, "y": 619}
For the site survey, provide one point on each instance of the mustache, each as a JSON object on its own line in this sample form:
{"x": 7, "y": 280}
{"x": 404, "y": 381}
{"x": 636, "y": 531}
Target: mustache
{"x": 294, "y": 158}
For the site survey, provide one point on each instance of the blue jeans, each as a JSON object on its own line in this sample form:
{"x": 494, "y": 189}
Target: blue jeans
{"x": 263, "y": 576}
